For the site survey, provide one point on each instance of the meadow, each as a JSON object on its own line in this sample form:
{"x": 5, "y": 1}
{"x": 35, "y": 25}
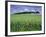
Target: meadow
{"x": 25, "y": 22}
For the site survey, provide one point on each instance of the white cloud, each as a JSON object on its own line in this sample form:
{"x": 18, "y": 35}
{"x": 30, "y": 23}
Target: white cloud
{"x": 33, "y": 10}
{"x": 26, "y": 9}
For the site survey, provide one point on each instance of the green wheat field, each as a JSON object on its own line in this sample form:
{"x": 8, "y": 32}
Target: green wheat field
{"x": 25, "y": 22}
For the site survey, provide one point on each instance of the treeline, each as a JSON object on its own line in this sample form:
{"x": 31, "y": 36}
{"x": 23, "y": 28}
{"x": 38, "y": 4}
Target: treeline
{"x": 27, "y": 12}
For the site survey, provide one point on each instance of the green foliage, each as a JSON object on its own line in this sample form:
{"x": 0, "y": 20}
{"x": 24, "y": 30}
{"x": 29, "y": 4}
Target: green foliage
{"x": 25, "y": 22}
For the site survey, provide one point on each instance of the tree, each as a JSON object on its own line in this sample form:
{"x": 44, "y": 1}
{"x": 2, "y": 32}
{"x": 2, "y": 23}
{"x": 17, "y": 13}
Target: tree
{"x": 37, "y": 12}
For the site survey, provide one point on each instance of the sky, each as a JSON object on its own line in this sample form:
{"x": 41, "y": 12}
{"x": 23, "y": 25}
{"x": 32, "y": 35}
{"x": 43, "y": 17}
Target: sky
{"x": 24, "y": 8}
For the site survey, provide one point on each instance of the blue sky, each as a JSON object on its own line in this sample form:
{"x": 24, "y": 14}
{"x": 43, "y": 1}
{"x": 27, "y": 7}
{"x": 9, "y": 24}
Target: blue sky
{"x": 22, "y": 8}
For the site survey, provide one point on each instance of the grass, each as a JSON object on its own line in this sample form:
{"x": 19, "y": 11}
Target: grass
{"x": 25, "y": 22}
